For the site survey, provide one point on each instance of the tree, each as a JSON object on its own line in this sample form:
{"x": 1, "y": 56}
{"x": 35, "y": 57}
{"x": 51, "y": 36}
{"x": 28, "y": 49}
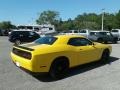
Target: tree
{"x": 6, "y": 25}
{"x": 109, "y": 21}
{"x": 118, "y": 19}
{"x": 91, "y": 21}
{"x": 87, "y": 21}
{"x": 48, "y": 17}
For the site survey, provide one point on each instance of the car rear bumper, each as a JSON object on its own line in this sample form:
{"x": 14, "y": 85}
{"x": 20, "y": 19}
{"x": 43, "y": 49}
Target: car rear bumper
{"x": 28, "y": 65}
{"x": 30, "y": 72}
{"x": 21, "y": 62}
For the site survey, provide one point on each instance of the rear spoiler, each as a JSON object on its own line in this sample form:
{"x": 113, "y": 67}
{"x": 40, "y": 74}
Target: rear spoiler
{"x": 30, "y": 49}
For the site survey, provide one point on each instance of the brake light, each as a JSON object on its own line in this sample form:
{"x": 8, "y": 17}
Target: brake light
{"x": 21, "y": 53}
{"x": 27, "y": 55}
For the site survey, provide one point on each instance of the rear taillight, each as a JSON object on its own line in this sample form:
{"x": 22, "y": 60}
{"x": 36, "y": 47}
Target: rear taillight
{"x": 22, "y": 53}
{"x": 27, "y": 55}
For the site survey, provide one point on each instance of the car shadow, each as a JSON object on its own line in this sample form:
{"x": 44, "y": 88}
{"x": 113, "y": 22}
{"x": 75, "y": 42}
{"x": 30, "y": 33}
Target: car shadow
{"x": 76, "y": 70}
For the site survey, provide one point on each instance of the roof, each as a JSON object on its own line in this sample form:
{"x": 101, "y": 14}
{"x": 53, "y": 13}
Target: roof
{"x": 100, "y": 31}
{"x": 22, "y": 30}
{"x": 69, "y": 36}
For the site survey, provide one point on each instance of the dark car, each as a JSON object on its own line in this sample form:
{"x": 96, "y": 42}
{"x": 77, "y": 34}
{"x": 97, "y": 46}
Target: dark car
{"x": 0, "y": 32}
{"x": 21, "y": 36}
{"x": 102, "y": 37}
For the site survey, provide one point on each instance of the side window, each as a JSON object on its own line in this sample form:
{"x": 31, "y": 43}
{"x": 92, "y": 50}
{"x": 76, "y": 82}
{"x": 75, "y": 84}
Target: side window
{"x": 82, "y": 31}
{"x": 31, "y": 33}
{"x": 108, "y": 33}
{"x": 85, "y": 42}
{"x": 50, "y": 28}
{"x": 115, "y": 31}
{"x": 25, "y": 33}
{"x": 92, "y": 33}
{"x": 75, "y": 31}
{"x": 74, "y": 42}
{"x": 69, "y": 31}
{"x": 21, "y": 33}
{"x": 36, "y": 29}
{"x": 79, "y": 42}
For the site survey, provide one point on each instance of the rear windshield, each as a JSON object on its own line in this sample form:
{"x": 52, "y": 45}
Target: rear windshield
{"x": 114, "y": 30}
{"x": 46, "y": 40}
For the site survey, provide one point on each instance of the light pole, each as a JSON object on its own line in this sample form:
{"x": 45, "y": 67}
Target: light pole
{"x": 102, "y": 19}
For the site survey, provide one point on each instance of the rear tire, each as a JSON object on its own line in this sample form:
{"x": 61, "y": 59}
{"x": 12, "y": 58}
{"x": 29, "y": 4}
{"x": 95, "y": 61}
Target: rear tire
{"x": 115, "y": 40}
{"x": 59, "y": 69}
{"x": 105, "y": 56}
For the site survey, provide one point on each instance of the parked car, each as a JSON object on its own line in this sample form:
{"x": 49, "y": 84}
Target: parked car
{"x": 21, "y": 36}
{"x": 0, "y": 32}
{"x": 102, "y": 37}
{"x": 56, "y": 54}
{"x": 116, "y": 33}
{"x": 4, "y": 32}
{"x": 69, "y": 32}
{"x": 84, "y": 32}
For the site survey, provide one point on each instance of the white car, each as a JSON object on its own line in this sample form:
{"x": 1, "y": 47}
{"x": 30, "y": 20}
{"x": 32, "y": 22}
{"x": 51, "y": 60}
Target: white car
{"x": 116, "y": 33}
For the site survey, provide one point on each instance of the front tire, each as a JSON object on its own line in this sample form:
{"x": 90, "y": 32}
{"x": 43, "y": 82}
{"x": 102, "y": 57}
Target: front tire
{"x": 59, "y": 69}
{"x": 100, "y": 40}
{"x": 17, "y": 42}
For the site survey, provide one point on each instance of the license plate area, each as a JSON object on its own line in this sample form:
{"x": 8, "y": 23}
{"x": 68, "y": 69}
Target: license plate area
{"x": 17, "y": 64}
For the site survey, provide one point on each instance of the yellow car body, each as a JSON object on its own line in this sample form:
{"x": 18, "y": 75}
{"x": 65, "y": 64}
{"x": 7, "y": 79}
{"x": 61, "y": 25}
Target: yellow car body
{"x": 39, "y": 57}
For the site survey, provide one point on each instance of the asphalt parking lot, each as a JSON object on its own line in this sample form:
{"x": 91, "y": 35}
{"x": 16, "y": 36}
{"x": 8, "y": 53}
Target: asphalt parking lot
{"x": 93, "y": 76}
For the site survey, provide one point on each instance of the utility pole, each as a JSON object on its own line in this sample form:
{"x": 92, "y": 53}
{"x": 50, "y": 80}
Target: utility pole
{"x": 102, "y": 19}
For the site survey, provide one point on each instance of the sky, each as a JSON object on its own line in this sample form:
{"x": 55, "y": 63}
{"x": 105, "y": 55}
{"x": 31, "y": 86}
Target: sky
{"x": 27, "y": 11}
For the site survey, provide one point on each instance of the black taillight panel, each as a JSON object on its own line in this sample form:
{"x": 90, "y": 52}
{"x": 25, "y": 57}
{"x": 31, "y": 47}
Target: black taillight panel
{"x": 22, "y": 53}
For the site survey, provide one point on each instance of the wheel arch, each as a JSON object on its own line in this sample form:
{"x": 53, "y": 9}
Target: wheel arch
{"x": 64, "y": 58}
{"x": 105, "y": 50}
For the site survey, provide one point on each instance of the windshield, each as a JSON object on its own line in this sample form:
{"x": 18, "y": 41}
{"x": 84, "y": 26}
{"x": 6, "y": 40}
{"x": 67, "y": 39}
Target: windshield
{"x": 46, "y": 40}
{"x": 114, "y": 30}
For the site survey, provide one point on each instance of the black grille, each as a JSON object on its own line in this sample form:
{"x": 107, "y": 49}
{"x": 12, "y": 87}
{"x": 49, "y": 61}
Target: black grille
{"x": 21, "y": 53}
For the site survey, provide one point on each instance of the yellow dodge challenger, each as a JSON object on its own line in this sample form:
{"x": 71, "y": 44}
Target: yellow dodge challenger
{"x": 56, "y": 54}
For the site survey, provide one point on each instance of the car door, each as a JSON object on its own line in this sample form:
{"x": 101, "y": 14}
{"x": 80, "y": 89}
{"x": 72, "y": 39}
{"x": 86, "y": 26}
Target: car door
{"x": 85, "y": 50}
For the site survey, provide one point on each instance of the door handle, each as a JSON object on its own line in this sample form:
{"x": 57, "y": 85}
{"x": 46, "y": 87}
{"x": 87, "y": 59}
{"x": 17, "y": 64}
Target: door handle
{"x": 80, "y": 49}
